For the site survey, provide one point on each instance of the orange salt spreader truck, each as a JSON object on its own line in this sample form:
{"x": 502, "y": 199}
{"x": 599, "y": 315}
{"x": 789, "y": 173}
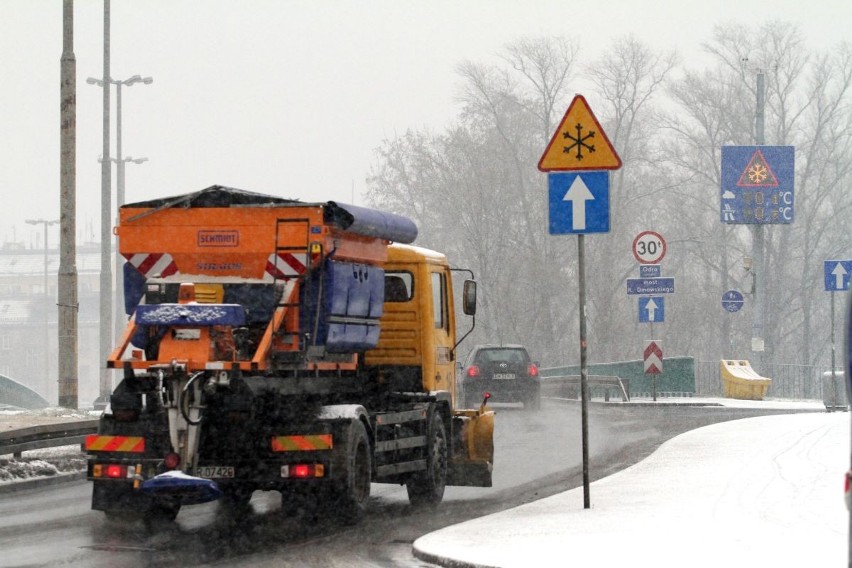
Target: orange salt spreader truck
{"x": 272, "y": 344}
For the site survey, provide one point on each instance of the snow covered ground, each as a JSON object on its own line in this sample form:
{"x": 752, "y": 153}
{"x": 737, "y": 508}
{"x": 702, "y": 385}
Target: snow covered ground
{"x": 762, "y": 491}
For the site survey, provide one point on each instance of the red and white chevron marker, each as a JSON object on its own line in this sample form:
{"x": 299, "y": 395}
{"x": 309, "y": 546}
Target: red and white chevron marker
{"x": 653, "y": 358}
{"x": 153, "y": 264}
{"x": 283, "y": 266}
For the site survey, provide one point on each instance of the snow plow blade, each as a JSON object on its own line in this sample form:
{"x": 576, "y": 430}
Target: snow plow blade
{"x": 473, "y": 461}
{"x": 186, "y": 488}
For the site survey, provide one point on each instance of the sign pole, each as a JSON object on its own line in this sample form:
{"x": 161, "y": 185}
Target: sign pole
{"x": 654, "y": 376}
{"x": 578, "y": 203}
{"x": 584, "y": 371}
{"x": 758, "y": 246}
{"x": 833, "y": 376}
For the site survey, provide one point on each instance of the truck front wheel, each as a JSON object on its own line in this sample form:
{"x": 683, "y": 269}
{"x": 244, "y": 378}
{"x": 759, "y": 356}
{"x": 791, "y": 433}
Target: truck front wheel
{"x": 427, "y": 487}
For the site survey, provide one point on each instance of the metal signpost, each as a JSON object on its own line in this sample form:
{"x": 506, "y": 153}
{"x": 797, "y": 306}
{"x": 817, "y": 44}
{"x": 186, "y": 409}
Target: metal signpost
{"x": 837, "y": 277}
{"x": 653, "y": 362}
{"x": 757, "y": 189}
{"x": 578, "y": 204}
{"x": 649, "y": 248}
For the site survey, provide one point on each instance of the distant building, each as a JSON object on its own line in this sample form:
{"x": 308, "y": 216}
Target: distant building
{"x": 24, "y": 355}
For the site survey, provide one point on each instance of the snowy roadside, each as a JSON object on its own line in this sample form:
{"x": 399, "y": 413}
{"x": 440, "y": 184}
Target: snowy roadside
{"x": 47, "y": 462}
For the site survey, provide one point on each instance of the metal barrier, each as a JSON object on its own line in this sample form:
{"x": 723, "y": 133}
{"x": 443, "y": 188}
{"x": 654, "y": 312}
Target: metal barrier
{"x": 46, "y": 436}
{"x": 797, "y": 382}
{"x": 569, "y": 386}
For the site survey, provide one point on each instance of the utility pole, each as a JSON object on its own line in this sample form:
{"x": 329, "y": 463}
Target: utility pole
{"x": 67, "y": 279}
{"x": 759, "y": 267}
{"x": 105, "y": 311}
{"x": 46, "y": 345}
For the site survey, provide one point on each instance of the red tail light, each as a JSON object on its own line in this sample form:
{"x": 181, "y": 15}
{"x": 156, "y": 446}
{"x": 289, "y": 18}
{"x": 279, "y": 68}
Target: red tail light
{"x": 532, "y": 370}
{"x": 303, "y": 470}
{"x": 116, "y": 471}
{"x": 171, "y": 461}
{"x": 473, "y": 371}
{"x": 299, "y": 470}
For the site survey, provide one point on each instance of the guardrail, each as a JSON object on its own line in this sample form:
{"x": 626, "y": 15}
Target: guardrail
{"x": 45, "y": 436}
{"x": 569, "y": 386}
{"x": 68, "y": 433}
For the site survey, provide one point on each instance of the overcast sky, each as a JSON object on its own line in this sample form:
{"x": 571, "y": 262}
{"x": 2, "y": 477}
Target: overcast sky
{"x": 289, "y": 97}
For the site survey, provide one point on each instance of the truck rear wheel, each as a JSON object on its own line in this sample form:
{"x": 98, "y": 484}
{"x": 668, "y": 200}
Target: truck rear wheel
{"x": 355, "y": 492}
{"x": 427, "y": 487}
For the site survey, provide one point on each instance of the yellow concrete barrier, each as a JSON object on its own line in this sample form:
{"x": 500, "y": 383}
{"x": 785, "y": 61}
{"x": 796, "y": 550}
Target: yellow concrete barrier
{"x": 741, "y": 381}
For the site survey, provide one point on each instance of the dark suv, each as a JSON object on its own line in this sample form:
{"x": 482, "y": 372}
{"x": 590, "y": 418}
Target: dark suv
{"x": 505, "y": 371}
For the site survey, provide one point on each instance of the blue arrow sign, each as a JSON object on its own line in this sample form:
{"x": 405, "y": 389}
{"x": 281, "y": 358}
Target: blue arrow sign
{"x": 837, "y": 275}
{"x": 652, "y": 309}
{"x": 646, "y": 286}
{"x": 732, "y": 300}
{"x": 757, "y": 184}
{"x": 579, "y": 202}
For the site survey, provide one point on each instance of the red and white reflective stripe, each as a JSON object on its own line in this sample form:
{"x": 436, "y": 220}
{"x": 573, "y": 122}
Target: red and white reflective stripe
{"x": 153, "y": 264}
{"x": 283, "y": 266}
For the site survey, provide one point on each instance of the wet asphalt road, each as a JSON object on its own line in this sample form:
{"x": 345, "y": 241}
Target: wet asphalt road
{"x": 537, "y": 454}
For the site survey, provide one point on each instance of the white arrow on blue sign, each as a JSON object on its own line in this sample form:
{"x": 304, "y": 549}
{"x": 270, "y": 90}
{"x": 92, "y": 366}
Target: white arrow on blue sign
{"x": 732, "y": 300}
{"x": 837, "y": 275}
{"x": 579, "y": 202}
{"x": 652, "y": 309}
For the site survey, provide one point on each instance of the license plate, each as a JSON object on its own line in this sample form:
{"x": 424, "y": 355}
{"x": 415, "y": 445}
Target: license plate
{"x": 504, "y": 375}
{"x": 215, "y": 471}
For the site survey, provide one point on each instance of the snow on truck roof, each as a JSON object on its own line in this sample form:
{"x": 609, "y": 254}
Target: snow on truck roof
{"x": 352, "y": 218}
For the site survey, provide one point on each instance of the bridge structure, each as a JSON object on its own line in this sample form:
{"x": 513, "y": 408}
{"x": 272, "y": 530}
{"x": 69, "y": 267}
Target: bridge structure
{"x": 13, "y": 393}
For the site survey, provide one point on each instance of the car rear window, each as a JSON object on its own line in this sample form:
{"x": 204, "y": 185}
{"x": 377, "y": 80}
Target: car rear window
{"x": 502, "y": 356}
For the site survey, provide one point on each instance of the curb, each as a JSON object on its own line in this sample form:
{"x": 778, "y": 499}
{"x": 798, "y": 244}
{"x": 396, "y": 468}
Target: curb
{"x": 37, "y": 482}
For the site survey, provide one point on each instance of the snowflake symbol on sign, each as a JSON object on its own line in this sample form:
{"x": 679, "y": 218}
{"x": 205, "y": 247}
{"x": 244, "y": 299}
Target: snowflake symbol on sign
{"x": 579, "y": 142}
{"x": 757, "y": 173}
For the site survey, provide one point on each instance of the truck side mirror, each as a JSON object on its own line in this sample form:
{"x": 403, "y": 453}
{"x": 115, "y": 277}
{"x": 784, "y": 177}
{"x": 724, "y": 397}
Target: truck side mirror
{"x": 469, "y": 297}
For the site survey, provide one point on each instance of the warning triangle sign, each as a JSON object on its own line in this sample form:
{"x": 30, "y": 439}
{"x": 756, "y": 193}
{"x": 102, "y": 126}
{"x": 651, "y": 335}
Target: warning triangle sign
{"x": 757, "y": 173}
{"x": 579, "y": 143}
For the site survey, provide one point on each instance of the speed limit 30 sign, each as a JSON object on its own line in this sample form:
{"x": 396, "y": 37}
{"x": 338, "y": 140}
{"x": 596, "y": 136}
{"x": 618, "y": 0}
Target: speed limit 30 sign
{"x": 649, "y": 247}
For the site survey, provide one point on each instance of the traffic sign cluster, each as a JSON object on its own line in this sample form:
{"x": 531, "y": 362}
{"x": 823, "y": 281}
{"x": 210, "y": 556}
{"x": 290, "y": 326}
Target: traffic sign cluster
{"x": 649, "y": 248}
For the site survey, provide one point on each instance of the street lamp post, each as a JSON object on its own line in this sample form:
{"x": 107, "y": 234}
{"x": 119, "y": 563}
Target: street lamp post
{"x": 120, "y": 320}
{"x": 107, "y": 298}
{"x": 46, "y": 345}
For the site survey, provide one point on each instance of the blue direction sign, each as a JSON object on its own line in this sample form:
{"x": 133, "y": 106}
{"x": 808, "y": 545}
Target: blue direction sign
{"x": 652, "y": 309}
{"x": 757, "y": 184}
{"x": 837, "y": 275}
{"x": 647, "y": 286}
{"x": 732, "y": 300}
{"x": 579, "y": 202}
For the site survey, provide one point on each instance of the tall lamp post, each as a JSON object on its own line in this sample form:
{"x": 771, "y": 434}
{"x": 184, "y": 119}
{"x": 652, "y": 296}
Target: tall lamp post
{"x": 107, "y": 298}
{"x": 46, "y": 345}
{"x": 120, "y": 320}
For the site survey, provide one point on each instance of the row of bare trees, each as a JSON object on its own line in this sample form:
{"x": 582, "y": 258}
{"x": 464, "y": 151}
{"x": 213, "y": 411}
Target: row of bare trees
{"x": 476, "y": 194}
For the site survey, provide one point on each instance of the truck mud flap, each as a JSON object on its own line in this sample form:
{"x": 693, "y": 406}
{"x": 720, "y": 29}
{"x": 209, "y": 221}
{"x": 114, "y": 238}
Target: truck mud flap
{"x": 473, "y": 456}
{"x": 186, "y": 489}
